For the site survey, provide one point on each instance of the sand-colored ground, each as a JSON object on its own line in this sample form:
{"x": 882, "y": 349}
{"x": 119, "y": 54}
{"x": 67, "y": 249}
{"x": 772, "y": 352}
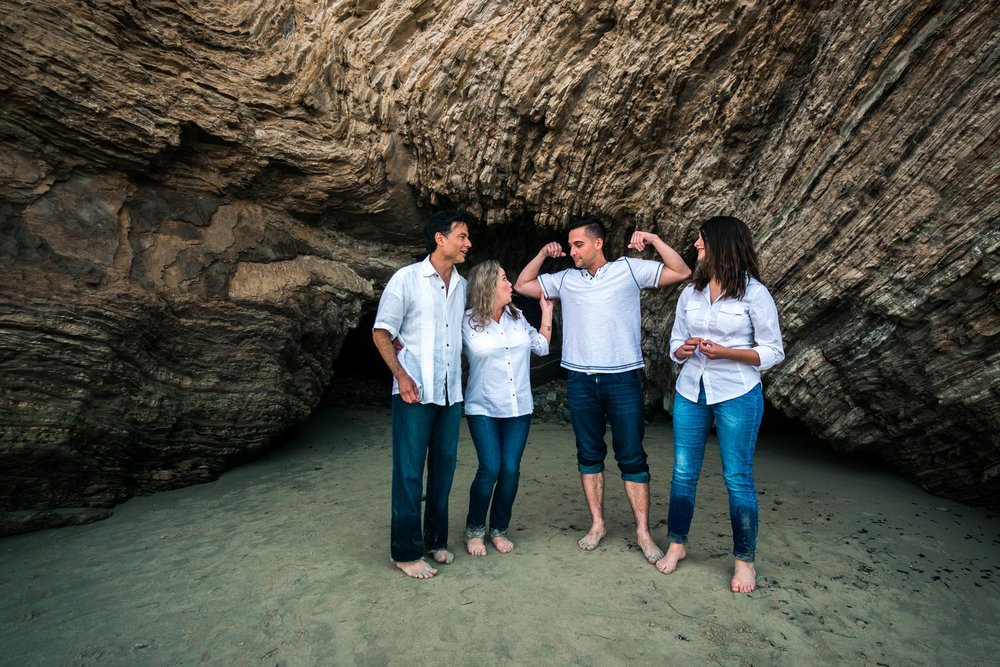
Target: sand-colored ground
{"x": 285, "y": 562}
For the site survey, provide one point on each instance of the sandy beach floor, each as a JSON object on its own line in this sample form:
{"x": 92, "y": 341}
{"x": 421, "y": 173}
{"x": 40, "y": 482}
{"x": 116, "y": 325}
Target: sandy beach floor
{"x": 285, "y": 562}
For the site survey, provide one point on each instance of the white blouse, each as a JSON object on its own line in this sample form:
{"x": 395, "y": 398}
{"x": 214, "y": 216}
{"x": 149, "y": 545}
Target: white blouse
{"x": 499, "y": 357}
{"x": 747, "y": 323}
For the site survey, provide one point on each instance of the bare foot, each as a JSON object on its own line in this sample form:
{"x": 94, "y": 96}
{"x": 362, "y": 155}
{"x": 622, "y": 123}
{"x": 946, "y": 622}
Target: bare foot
{"x": 590, "y": 541}
{"x": 502, "y": 544}
{"x": 652, "y": 552}
{"x": 744, "y": 577}
{"x": 475, "y": 546}
{"x": 675, "y": 554}
{"x": 442, "y": 556}
{"x": 418, "y": 569}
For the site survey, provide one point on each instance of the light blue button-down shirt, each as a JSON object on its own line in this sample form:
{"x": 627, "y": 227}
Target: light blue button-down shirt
{"x": 747, "y": 323}
{"x": 426, "y": 317}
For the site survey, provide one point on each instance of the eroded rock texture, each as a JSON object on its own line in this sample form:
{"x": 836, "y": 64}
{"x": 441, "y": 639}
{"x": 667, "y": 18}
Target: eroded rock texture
{"x": 198, "y": 200}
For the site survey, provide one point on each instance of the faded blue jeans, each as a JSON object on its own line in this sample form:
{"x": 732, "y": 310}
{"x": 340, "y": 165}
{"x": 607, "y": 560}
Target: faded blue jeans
{"x": 421, "y": 433}
{"x": 736, "y": 423}
{"x": 499, "y": 445}
{"x": 598, "y": 399}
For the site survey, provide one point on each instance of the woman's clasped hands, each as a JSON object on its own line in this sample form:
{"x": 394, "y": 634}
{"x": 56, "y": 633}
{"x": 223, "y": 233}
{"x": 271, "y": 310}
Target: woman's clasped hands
{"x": 708, "y": 348}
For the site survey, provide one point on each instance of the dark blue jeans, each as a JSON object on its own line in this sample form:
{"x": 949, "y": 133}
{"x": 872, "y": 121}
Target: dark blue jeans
{"x": 598, "y": 399}
{"x": 421, "y": 433}
{"x": 736, "y": 423}
{"x": 499, "y": 445}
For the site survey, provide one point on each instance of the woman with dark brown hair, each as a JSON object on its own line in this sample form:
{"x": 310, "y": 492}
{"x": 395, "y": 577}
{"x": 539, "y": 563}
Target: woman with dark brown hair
{"x": 725, "y": 333}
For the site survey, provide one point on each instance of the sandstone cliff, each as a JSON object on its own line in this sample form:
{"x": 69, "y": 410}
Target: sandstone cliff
{"x": 199, "y": 200}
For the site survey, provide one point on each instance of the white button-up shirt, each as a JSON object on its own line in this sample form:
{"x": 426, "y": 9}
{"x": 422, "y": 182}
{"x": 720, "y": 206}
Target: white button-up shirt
{"x": 747, "y": 323}
{"x": 426, "y": 317}
{"x": 499, "y": 357}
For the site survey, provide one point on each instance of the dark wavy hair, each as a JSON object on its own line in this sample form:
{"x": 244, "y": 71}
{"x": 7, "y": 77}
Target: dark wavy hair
{"x": 730, "y": 257}
{"x": 442, "y": 221}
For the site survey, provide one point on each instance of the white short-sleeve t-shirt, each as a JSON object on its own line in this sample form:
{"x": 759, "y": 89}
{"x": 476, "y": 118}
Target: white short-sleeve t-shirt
{"x": 601, "y": 315}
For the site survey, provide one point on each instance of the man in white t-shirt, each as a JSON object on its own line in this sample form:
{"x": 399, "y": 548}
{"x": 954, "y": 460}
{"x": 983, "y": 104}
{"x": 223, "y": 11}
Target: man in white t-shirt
{"x": 418, "y": 332}
{"x": 602, "y": 356}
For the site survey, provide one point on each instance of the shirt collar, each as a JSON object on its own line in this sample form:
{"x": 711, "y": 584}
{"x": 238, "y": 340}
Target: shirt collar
{"x": 426, "y": 268}
{"x": 586, "y": 274}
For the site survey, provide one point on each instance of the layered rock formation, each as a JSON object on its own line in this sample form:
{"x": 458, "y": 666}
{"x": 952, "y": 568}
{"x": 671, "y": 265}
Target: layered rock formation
{"x": 199, "y": 200}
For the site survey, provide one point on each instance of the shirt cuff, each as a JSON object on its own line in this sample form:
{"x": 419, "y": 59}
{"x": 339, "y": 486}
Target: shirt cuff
{"x": 393, "y": 333}
{"x": 766, "y": 355}
{"x": 674, "y": 357}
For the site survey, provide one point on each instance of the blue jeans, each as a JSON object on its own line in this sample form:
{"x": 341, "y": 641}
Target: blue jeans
{"x": 736, "y": 423}
{"x": 421, "y": 433}
{"x": 499, "y": 445}
{"x": 597, "y": 399}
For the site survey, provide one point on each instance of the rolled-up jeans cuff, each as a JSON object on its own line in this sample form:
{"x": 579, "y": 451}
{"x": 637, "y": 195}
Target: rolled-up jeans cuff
{"x": 497, "y": 533}
{"x": 472, "y": 532}
{"x": 591, "y": 469}
{"x": 747, "y": 557}
{"x": 640, "y": 477}
{"x": 674, "y": 538}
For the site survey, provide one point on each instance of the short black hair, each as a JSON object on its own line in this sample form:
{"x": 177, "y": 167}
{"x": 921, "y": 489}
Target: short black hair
{"x": 592, "y": 224}
{"x": 442, "y": 221}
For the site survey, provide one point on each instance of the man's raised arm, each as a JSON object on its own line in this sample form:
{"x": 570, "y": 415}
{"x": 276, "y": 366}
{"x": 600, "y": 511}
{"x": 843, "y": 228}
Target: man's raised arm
{"x": 674, "y": 268}
{"x": 527, "y": 281}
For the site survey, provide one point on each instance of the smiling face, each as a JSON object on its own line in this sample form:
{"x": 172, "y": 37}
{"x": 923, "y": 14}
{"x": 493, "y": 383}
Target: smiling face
{"x": 699, "y": 245}
{"x": 455, "y": 246}
{"x": 587, "y": 252}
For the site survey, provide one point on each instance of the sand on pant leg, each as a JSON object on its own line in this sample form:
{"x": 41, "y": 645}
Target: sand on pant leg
{"x": 286, "y": 562}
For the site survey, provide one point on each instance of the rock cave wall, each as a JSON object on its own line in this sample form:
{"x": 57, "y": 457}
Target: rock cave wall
{"x": 199, "y": 200}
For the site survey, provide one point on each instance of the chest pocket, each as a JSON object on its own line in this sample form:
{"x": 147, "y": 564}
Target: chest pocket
{"x": 731, "y": 318}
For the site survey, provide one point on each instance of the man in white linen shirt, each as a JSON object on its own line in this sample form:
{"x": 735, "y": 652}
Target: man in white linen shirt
{"x": 421, "y": 311}
{"x": 602, "y": 356}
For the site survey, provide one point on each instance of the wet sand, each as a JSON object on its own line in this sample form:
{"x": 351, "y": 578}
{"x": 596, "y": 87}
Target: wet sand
{"x": 285, "y": 562}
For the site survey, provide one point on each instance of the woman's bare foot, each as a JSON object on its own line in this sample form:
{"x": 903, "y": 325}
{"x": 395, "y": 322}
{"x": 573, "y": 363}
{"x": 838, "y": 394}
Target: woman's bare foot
{"x": 652, "y": 552}
{"x": 418, "y": 569}
{"x": 675, "y": 554}
{"x": 442, "y": 556}
{"x": 744, "y": 577}
{"x": 502, "y": 544}
{"x": 590, "y": 541}
{"x": 475, "y": 546}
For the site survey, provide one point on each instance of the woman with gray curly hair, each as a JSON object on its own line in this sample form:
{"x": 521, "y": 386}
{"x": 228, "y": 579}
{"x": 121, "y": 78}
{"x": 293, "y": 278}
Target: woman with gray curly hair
{"x": 498, "y": 342}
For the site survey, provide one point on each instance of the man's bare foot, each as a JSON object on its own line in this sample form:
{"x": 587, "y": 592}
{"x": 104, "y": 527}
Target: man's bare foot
{"x": 744, "y": 577}
{"x": 675, "y": 554}
{"x": 418, "y": 569}
{"x": 502, "y": 544}
{"x": 475, "y": 546}
{"x": 442, "y": 556}
{"x": 590, "y": 541}
{"x": 652, "y": 552}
